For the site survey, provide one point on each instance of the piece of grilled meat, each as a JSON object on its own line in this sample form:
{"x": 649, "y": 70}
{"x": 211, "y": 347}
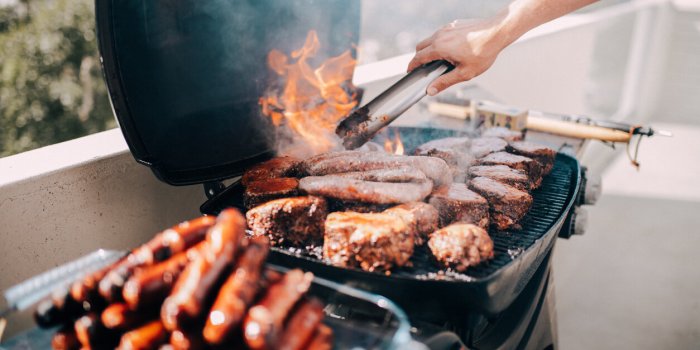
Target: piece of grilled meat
{"x": 373, "y": 241}
{"x": 503, "y": 133}
{"x": 423, "y": 218}
{"x": 348, "y": 189}
{"x": 460, "y": 246}
{"x": 456, "y": 203}
{"x": 259, "y": 192}
{"x": 296, "y": 221}
{"x": 531, "y": 167}
{"x": 435, "y": 169}
{"x": 542, "y": 154}
{"x": 484, "y": 146}
{"x": 272, "y": 169}
{"x": 507, "y": 204}
{"x": 501, "y": 173}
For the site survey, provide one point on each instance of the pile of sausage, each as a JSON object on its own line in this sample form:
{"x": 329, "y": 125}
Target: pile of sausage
{"x": 201, "y": 284}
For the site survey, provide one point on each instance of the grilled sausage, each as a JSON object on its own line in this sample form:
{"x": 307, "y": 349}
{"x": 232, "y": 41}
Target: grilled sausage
{"x": 301, "y": 326}
{"x": 65, "y": 339}
{"x": 264, "y": 322}
{"x": 146, "y": 337}
{"x": 167, "y": 243}
{"x": 85, "y": 290}
{"x": 195, "y": 285}
{"x": 92, "y": 334}
{"x": 237, "y": 293}
{"x": 322, "y": 340}
{"x": 150, "y": 285}
{"x": 120, "y": 317}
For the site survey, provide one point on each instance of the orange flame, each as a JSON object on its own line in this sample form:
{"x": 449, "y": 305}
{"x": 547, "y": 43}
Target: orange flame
{"x": 395, "y": 146}
{"x": 312, "y": 100}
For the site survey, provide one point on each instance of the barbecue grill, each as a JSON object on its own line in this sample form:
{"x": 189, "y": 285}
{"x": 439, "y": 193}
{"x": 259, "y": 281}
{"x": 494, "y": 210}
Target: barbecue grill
{"x": 184, "y": 80}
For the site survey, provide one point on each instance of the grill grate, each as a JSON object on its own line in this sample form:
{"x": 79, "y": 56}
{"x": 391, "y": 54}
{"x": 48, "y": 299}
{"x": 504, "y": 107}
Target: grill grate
{"x": 549, "y": 202}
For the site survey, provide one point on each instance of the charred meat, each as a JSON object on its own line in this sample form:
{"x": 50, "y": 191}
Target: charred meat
{"x": 528, "y": 165}
{"x": 374, "y": 242}
{"x": 484, "y": 146}
{"x": 507, "y": 204}
{"x": 421, "y": 217}
{"x": 456, "y": 203}
{"x": 460, "y": 246}
{"x": 501, "y": 173}
{"x": 542, "y": 154}
{"x": 296, "y": 220}
{"x": 259, "y": 192}
{"x": 272, "y": 169}
{"x": 453, "y": 150}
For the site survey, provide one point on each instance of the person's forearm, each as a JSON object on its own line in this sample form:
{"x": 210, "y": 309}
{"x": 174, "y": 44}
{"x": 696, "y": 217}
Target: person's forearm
{"x": 522, "y": 15}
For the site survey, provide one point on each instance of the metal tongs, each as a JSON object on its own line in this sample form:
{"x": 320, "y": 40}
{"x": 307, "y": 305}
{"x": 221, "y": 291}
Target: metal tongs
{"x": 360, "y": 126}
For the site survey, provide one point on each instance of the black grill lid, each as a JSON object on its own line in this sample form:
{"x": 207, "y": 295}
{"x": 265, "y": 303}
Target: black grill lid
{"x": 184, "y": 77}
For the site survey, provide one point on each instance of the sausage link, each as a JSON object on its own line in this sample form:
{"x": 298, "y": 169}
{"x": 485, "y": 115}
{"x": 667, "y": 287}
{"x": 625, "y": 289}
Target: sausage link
{"x": 150, "y": 285}
{"x": 196, "y": 284}
{"x": 147, "y": 337}
{"x": 237, "y": 292}
{"x": 120, "y": 317}
{"x": 92, "y": 334}
{"x": 264, "y": 322}
{"x": 301, "y": 326}
{"x": 186, "y": 340}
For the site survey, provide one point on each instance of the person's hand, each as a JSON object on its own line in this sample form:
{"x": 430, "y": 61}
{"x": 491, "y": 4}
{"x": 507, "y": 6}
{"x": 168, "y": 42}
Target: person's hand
{"x": 470, "y": 45}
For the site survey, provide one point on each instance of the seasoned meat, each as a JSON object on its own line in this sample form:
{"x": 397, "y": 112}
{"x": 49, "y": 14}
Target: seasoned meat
{"x": 453, "y": 150}
{"x": 501, "y": 173}
{"x": 503, "y": 133}
{"x": 360, "y": 207}
{"x": 371, "y": 147}
{"x": 350, "y": 161}
{"x": 343, "y": 188}
{"x": 456, "y": 203}
{"x": 293, "y": 221}
{"x": 273, "y": 168}
{"x": 421, "y": 217}
{"x": 399, "y": 174}
{"x": 507, "y": 204}
{"x": 484, "y": 146}
{"x": 528, "y": 165}
{"x": 374, "y": 242}
{"x": 542, "y": 154}
{"x": 460, "y": 246}
{"x": 259, "y": 192}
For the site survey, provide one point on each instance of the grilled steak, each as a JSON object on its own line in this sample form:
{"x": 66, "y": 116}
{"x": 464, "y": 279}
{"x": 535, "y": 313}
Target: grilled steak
{"x": 422, "y": 218}
{"x": 351, "y": 161}
{"x": 360, "y": 207}
{"x": 507, "y": 204}
{"x": 258, "y": 192}
{"x": 343, "y": 188}
{"x": 484, "y": 146}
{"x": 374, "y": 242}
{"x": 295, "y": 221}
{"x": 528, "y": 165}
{"x": 456, "y": 203}
{"x": 501, "y": 173}
{"x": 273, "y": 168}
{"x": 503, "y": 133}
{"x": 460, "y": 246}
{"x": 542, "y": 154}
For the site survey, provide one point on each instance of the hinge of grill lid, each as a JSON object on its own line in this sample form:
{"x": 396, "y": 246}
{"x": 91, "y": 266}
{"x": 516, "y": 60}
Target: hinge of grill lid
{"x": 212, "y": 188}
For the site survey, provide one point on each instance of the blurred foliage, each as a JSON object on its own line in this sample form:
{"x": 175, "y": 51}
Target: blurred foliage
{"x": 51, "y": 86}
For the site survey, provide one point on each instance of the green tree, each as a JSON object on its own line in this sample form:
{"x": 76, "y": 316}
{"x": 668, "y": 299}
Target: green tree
{"x": 51, "y": 86}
